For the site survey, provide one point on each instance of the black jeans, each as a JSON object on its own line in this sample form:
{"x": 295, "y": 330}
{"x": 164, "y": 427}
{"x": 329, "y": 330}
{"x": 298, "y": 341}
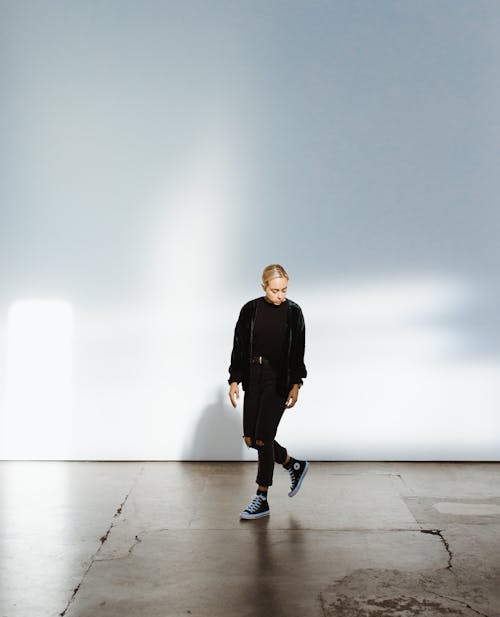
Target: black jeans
{"x": 263, "y": 407}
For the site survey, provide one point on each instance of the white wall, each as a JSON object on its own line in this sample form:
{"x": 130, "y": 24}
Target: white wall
{"x": 157, "y": 155}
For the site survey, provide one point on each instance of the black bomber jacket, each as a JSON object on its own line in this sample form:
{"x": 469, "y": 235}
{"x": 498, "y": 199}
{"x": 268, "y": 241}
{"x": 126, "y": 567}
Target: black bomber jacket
{"x": 292, "y": 369}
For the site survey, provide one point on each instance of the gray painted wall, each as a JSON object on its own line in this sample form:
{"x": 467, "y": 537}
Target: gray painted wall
{"x": 155, "y": 156}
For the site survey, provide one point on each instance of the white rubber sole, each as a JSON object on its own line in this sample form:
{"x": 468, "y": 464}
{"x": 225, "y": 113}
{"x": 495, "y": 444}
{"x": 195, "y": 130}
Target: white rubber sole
{"x": 299, "y": 484}
{"x": 248, "y": 517}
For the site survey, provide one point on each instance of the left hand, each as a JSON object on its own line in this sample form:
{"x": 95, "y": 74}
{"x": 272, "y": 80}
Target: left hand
{"x": 293, "y": 395}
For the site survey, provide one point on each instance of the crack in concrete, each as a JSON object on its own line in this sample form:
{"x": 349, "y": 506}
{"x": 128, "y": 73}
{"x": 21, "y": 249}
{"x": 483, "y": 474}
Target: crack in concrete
{"x": 439, "y": 532}
{"x": 458, "y": 602}
{"x": 137, "y": 540}
{"x": 102, "y": 540}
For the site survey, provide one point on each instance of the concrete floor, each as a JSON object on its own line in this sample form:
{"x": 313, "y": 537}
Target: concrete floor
{"x": 164, "y": 539}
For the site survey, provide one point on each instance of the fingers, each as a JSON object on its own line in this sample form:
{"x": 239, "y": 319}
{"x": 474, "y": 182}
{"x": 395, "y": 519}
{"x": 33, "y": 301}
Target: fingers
{"x": 292, "y": 398}
{"x": 234, "y": 396}
{"x": 291, "y": 402}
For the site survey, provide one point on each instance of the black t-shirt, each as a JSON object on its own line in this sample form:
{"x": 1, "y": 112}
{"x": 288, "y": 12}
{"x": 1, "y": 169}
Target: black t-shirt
{"x": 269, "y": 331}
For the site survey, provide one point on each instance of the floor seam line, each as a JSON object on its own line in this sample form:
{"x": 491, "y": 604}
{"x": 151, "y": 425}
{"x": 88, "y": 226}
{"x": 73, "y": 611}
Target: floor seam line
{"x": 102, "y": 541}
{"x": 439, "y": 595}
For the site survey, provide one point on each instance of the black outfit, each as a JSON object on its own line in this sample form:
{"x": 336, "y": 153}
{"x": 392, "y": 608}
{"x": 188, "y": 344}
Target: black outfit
{"x": 269, "y": 331}
{"x": 268, "y": 358}
{"x": 292, "y": 369}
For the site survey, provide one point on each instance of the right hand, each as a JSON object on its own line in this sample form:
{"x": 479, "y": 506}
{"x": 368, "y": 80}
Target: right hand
{"x": 234, "y": 393}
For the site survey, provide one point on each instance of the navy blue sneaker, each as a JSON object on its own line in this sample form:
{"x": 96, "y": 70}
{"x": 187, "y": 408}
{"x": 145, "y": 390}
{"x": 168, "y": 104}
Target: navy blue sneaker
{"x": 258, "y": 507}
{"x": 297, "y": 471}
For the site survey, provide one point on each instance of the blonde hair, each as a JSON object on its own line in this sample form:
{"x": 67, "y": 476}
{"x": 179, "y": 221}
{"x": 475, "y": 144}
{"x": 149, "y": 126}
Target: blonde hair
{"x": 273, "y": 271}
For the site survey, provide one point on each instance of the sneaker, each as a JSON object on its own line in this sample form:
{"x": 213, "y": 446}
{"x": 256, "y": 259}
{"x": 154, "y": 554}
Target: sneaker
{"x": 297, "y": 473}
{"x": 258, "y": 507}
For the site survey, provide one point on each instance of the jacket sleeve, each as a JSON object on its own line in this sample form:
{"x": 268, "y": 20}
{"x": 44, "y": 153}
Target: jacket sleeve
{"x": 236, "y": 366}
{"x": 298, "y": 370}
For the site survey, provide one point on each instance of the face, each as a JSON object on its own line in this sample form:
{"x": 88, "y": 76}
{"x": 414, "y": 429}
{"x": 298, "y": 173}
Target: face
{"x": 276, "y": 290}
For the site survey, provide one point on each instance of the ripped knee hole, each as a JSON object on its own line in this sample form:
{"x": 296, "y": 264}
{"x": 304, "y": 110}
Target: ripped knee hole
{"x": 249, "y": 442}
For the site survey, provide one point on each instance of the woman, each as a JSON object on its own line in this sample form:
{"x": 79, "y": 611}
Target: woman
{"x": 268, "y": 360}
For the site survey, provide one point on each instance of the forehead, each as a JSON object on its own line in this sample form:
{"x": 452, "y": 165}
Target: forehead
{"x": 278, "y": 283}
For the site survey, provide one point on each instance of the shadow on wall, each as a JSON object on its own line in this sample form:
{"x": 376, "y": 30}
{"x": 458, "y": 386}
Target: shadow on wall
{"x": 217, "y": 436}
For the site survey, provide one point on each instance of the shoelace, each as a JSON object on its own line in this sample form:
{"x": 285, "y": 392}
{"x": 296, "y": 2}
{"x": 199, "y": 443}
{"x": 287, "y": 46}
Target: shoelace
{"x": 256, "y": 503}
{"x": 293, "y": 475}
